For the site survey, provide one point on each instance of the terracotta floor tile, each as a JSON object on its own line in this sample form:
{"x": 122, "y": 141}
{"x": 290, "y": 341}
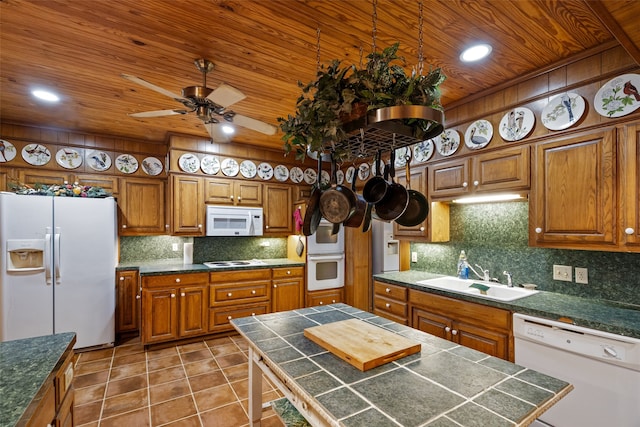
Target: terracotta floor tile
{"x": 219, "y": 341}
{"x": 129, "y": 358}
{"x": 138, "y": 418}
{"x": 166, "y": 375}
{"x": 88, "y": 356}
{"x": 228, "y": 416}
{"x": 128, "y": 370}
{"x": 231, "y": 360}
{"x": 125, "y": 403}
{"x": 273, "y": 421}
{"x": 126, "y": 385}
{"x": 194, "y": 346}
{"x": 90, "y": 412}
{"x": 194, "y": 356}
{"x": 92, "y": 424}
{"x": 172, "y": 410}
{"x": 214, "y": 397}
{"x": 95, "y": 378}
{"x": 201, "y": 367}
{"x": 168, "y": 391}
{"x": 204, "y": 381}
{"x": 163, "y": 352}
{"x": 222, "y": 350}
{"x": 237, "y": 372}
{"x": 93, "y": 366}
{"x": 242, "y": 388}
{"x": 124, "y": 350}
{"x": 163, "y": 362}
{"x": 242, "y": 344}
{"x": 88, "y": 394}
{"x": 192, "y": 421}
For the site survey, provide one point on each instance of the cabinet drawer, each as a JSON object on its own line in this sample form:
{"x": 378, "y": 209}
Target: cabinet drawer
{"x": 236, "y": 293}
{"x": 286, "y": 272}
{"x": 390, "y": 306}
{"x": 390, "y": 291}
{"x": 219, "y": 318}
{"x": 393, "y": 317}
{"x": 239, "y": 276}
{"x": 64, "y": 379}
{"x": 174, "y": 279}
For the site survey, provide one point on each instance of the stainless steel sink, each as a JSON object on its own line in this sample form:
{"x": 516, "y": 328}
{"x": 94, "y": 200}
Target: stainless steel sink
{"x": 493, "y": 291}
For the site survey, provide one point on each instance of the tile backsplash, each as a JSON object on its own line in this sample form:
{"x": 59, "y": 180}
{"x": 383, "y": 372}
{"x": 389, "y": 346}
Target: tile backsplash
{"x": 495, "y": 236}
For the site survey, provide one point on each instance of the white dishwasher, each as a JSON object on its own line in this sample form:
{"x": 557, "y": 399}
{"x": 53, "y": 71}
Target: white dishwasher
{"x": 604, "y": 369}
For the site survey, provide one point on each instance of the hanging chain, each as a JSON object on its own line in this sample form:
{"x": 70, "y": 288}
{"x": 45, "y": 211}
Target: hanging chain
{"x": 420, "y": 55}
{"x": 318, "y": 49}
{"x": 374, "y": 20}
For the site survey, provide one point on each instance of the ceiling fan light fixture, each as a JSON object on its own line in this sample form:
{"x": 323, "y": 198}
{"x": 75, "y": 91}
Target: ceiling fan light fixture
{"x": 228, "y": 129}
{"x": 45, "y": 95}
{"x": 476, "y": 52}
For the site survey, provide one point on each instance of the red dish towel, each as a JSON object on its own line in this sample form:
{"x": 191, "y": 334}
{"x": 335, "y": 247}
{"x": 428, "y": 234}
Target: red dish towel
{"x": 297, "y": 217}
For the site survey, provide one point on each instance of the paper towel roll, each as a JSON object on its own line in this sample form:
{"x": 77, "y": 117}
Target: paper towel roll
{"x": 188, "y": 253}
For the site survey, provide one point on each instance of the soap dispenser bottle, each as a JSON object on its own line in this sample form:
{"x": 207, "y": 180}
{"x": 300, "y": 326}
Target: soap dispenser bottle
{"x": 463, "y": 266}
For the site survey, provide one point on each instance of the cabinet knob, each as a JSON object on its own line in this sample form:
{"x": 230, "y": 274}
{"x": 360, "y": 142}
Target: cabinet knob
{"x": 199, "y": 225}
{"x": 321, "y": 303}
{"x": 253, "y": 314}
{"x": 421, "y": 228}
{"x": 476, "y": 183}
{"x": 465, "y": 184}
{"x": 229, "y": 294}
{"x": 253, "y": 292}
{"x": 454, "y": 332}
{"x": 538, "y": 230}
{"x": 229, "y": 317}
{"x": 387, "y": 305}
{"x": 447, "y": 329}
{"x": 178, "y": 280}
{"x": 288, "y": 271}
{"x": 173, "y": 295}
{"x": 629, "y": 230}
{"x": 239, "y": 198}
{"x": 137, "y": 296}
{"x": 387, "y": 290}
{"x": 124, "y": 225}
{"x": 275, "y": 286}
{"x": 333, "y": 301}
{"x": 121, "y": 278}
{"x": 182, "y": 294}
{"x": 166, "y": 226}
{"x": 266, "y": 226}
{"x": 231, "y": 197}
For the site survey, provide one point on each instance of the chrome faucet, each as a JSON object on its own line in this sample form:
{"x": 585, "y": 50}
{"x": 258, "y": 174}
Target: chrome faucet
{"x": 485, "y": 273}
{"x": 509, "y": 279}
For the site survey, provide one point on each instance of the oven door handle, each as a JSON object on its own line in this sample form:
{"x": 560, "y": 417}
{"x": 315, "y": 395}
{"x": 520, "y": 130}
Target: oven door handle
{"x": 339, "y": 257}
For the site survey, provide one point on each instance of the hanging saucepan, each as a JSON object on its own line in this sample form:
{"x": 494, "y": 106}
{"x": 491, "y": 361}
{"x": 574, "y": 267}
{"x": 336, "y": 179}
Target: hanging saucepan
{"x": 418, "y": 207}
{"x": 361, "y": 206}
{"x": 312, "y": 215}
{"x": 375, "y": 189}
{"x": 337, "y": 203}
{"x": 395, "y": 201}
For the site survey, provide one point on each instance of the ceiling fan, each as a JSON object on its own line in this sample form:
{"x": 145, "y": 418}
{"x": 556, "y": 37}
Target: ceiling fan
{"x": 210, "y": 105}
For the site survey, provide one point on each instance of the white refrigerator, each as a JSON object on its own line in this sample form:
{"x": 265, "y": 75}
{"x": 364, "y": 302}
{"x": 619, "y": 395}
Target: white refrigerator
{"x": 57, "y": 267}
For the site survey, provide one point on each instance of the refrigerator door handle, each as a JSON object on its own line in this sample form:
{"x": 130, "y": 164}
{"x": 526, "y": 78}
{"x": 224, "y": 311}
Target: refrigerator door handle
{"x": 56, "y": 256}
{"x": 47, "y": 256}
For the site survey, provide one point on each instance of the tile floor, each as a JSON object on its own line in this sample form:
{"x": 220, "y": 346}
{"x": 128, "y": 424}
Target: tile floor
{"x": 198, "y": 384}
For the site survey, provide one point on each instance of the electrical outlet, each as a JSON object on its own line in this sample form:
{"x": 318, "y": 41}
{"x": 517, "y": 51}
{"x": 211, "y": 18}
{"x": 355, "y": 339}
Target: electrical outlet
{"x": 562, "y": 272}
{"x": 414, "y": 256}
{"x": 582, "y": 275}
{"x": 174, "y": 247}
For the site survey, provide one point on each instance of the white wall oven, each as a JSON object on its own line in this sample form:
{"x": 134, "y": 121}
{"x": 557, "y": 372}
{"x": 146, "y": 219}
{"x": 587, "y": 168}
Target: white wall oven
{"x": 323, "y": 242}
{"x": 325, "y": 258}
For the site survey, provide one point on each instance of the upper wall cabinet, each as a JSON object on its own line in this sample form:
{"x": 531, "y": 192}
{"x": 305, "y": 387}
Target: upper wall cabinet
{"x": 629, "y": 173}
{"x": 573, "y": 200}
{"x": 278, "y": 209}
{"x": 503, "y": 170}
{"x": 141, "y": 207}
{"x": 187, "y": 205}
{"x": 220, "y": 191}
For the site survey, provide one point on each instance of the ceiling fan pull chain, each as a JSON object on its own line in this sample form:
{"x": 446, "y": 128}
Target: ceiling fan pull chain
{"x": 420, "y": 55}
{"x": 374, "y": 30}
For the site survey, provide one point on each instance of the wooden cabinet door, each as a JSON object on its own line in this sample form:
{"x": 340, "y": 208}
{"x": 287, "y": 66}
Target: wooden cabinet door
{"x": 481, "y": 339}
{"x": 629, "y": 142}
{"x": 507, "y": 169}
{"x": 278, "y": 218}
{"x": 34, "y": 176}
{"x": 194, "y": 310}
{"x": 127, "y": 301}
{"x": 109, "y": 183}
{"x": 287, "y": 294}
{"x": 159, "y": 315}
{"x": 573, "y": 202}
{"x": 325, "y": 297}
{"x": 432, "y": 323}
{"x": 449, "y": 178}
{"x": 248, "y": 193}
{"x": 219, "y": 191}
{"x": 187, "y": 206}
{"x": 141, "y": 207}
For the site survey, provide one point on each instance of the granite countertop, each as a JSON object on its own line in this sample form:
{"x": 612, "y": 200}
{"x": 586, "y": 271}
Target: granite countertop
{"x": 171, "y": 266}
{"x": 25, "y": 366}
{"x": 608, "y": 316}
{"x": 444, "y": 384}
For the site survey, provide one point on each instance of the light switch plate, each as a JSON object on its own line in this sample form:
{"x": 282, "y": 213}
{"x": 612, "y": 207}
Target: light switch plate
{"x": 562, "y": 272}
{"x": 414, "y": 256}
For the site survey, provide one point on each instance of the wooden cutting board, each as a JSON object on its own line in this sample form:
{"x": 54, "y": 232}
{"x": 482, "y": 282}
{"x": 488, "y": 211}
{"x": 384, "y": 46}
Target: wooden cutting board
{"x": 361, "y": 344}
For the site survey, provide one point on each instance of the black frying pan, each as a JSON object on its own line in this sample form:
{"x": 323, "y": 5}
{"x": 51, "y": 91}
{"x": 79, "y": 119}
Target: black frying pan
{"x": 355, "y": 220}
{"x": 312, "y": 215}
{"x": 417, "y": 208}
{"x": 337, "y": 203}
{"x": 395, "y": 201}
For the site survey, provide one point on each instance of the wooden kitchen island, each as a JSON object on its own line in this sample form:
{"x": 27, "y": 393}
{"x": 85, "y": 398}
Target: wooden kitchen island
{"x": 442, "y": 383}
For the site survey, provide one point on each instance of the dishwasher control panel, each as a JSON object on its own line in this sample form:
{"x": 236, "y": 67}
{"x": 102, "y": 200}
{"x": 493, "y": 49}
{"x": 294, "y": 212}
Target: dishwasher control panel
{"x": 586, "y": 342}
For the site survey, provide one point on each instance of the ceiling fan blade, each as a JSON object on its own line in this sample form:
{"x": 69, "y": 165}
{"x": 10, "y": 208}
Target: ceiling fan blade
{"x": 225, "y": 95}
{"x": 216, "y": 132}
{"x": 253, "y": 124}
{"x": 158, "y": 113}
{"x": 153, "y": 87}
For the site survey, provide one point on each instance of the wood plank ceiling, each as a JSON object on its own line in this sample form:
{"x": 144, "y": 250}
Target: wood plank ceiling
{"x": 79, "y": 48}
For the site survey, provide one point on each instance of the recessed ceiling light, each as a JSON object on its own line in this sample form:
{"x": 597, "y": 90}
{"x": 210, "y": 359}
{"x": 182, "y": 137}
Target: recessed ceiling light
{"x": 227, "y": 129}
{"x": 45, "y": 95}
{"x": 475, "y": 53}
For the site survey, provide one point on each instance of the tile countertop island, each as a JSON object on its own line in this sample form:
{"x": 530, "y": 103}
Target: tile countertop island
{"x": 442, "y": 385}
{"x": 607, "y": 316}
{"x": 26, "y": 367}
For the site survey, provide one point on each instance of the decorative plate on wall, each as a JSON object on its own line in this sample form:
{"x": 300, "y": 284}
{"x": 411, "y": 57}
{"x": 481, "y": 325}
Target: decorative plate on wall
{"x": 619, "y": 96}
{"x": 36, "y": 154}
{"x": 478, "y": 135}
{"x": 126, "y": 163}
{"x": 339, "y": 176}
{"x": 423, "y": 151}
{"x": 563, "y": 111}
{"x": 265, "y": 171}
{"x": 310, "y": 176}
{"x": 230, "y": 167}
{"x": 189, "y": 163}
{"x": 517, "y": 124}
{"x": 296, "y": 175}
{"x": 98, "y": 160}
{"x": 7, "y": 151}
{"x": 447, "y": 142}
{"x": 68, "y": 158}
{"x": 248, "y": 169}
{"x": 152, "y": 166}
{"x": 351, "y": 171}
{"x": 325, "y": 178}
{"x": 402, "y": 155}
{"x": 363, "y": 171}
{"x": 281, "y": 173}
{"x": 210, "y": 164}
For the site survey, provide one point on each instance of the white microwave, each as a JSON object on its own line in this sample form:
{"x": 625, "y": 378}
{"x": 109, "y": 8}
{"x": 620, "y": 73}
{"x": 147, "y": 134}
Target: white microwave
{"x": 234, "y": 221}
